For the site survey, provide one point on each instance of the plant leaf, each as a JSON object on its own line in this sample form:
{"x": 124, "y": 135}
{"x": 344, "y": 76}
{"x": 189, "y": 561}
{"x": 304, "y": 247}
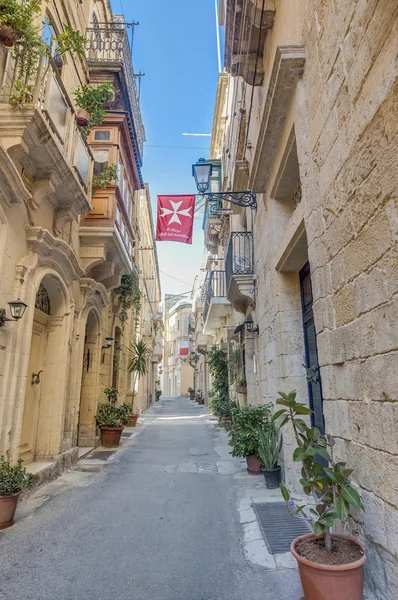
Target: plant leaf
{"x": 301, "y": 409}
{"x": 300, "y": 508}
{"x": 351, "y": 496}
{"x": 332, "y": 475}
{"x": 322, "y": 452}
{"x": 285, "y": 493}
{"x": 341, "y": 506}
{"x": 318, "y": 528}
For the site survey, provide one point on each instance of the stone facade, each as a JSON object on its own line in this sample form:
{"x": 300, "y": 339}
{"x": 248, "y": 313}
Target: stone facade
{"x": 178, "y": 373}
{"x": 321, "y": 137}
{"x": 64, "y": 249}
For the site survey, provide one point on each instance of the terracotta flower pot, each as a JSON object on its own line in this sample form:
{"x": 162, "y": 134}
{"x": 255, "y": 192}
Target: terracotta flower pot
{"x": 8, "y": 37}
{"x": 132, "y": 420}
{"x": 201, "y": 401}
{"x": 110, "y": 436}
{"x": 8, "y": 505}
{"x": 253, "y": 465}
{"x": 330, "y": 582}
{"x": 243, "y": 389}
{"x": 83, "y": 118}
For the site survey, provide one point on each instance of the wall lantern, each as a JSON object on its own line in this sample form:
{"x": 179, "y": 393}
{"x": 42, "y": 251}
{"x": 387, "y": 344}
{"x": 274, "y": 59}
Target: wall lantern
{"x": 249, "y": 325}
{"x": 108, "y": 343}
{"x": 17, "y": 310}
{"x": 202, "y": 171}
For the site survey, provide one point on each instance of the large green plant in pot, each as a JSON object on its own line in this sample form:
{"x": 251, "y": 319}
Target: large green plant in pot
{"x": 219, "y": 403}
{"x": 138, "y": 363}
{"x": 335, "y": 569}
{"x": 13, "y": 478}
{"x": 247, "y": 421}
{"x": 269, "y": 448}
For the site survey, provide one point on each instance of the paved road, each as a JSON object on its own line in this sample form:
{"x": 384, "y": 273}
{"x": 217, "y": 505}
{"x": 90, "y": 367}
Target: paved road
{"x": 158, "y": 523}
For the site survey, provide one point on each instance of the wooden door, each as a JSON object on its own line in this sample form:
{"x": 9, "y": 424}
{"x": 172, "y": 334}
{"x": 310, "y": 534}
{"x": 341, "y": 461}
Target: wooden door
{"x": 311, "y": 351}
{"x": 32, "y": 397}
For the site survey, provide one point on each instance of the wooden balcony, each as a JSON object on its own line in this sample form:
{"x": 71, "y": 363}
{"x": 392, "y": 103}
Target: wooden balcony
{"x": 43, "y": 147}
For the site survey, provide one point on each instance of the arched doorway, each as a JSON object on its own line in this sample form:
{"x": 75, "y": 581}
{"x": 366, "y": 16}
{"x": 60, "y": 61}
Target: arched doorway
{"x": 86, "y": 430}
{"x": 42, "y": 421}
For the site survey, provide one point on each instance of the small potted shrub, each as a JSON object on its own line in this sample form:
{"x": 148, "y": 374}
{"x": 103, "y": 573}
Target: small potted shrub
{"x": 137, "y": 365}
{"x": 199, "y": 398}
{"x": 90, "y": 100}
{"x": 111, "y": 393}
{"x": 111, "y": 420}
{"x": 12, "y": 480}
{"x": 191, "y": 392}
{"x": 244, "y": 433}
{"x": 17, "y": 20}
{"x": 270, "y": 445}
{"x": 330, "y": 564}
{"x": 158, "y": 393}
{"x": 242, "y": 386}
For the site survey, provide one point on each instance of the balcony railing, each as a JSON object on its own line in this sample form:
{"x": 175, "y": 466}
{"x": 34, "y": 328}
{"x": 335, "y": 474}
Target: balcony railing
{"x": 107, "y": 47}
{"x": 239, "y": 257}
{"x": 215, "y": 287}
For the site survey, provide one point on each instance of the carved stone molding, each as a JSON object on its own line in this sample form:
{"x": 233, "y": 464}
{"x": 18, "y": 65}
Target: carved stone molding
{"x": 11, "y": 183}
{"x": 241, "y": 292}
{"x": 94, "y": 292}
{"x": 45, "y": 249}
{"x": 288, "y": 68}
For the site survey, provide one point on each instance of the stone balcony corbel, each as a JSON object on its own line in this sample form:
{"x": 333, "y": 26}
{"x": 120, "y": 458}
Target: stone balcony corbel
{"x": 241, "y": 292}
{"x": 288, "y": 68}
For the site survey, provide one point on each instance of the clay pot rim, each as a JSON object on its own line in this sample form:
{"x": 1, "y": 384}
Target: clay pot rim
{"x": 16, "y": 494}
{"x": 134, "y": 415}
{"x": 321, "y": 567}
{"x": 108, "y": 428}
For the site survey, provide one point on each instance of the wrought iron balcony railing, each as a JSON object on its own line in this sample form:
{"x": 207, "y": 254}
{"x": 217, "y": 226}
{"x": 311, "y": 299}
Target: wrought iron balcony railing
{"x": 108, "y": 47}
{"x": 239, "y": 257}
{"x": 215, "y": 287}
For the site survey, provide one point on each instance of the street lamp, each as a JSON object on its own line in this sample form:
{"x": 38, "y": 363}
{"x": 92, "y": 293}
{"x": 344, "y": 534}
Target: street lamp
{"x": 202, "y": 171}
{"x": 108, "y": 343}
{"x": 17, "y": 310}
{"x": 249, "y": 325}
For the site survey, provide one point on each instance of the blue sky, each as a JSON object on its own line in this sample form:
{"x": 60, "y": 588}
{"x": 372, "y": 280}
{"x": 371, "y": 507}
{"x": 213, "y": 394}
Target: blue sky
{"x": 175, "y": 46}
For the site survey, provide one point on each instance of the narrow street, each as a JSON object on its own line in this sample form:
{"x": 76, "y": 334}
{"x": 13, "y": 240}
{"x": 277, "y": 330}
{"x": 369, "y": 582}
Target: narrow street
{"x": 159, "y": 521}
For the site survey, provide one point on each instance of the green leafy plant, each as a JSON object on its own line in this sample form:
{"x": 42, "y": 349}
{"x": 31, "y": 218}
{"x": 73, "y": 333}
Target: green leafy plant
{"x": 219, "y": 403}
{"x": 246, "y": 424}
{"x": 19, "y": 15}
{"x": 92, "y": 99}
{"x": 130, "y": 296}
{"x": 105, "y": 177}
{"x": 158, "y": 393}
{"x": 242, "y": 382}
{"x": 70, "y": 40}
{"x": 329, "y": 485}
{"x": 13, "y": 478}
{"x": 270, "y": 446}
{"x": 22, "y": 94}
{"x": 191, "y": 391}
{"x": 235, "y": 364}
{"x": 138, "y": 362}
{"x": 111, "y": 393}
{"x": 110, "y": 415}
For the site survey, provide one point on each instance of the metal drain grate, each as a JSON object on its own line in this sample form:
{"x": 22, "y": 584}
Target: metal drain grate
{"x": 278, "y": 526}
{"x": 101, "y": 455}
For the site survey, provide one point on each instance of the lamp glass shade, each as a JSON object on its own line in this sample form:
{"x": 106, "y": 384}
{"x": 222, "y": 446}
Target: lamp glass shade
{"x": 248, "y": 321}
{"x": 17, "y": 309}
{"x": 202, "y": 173}
{"x": 108, "y": 341}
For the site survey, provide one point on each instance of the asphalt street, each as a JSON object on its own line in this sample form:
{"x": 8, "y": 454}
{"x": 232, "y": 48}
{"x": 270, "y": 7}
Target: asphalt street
{"x": 159, "y": 522}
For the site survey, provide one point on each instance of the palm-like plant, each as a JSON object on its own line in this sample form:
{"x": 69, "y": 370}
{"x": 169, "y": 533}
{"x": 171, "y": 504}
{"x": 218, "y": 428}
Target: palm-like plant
{"x": 270, "y": 447}
{"x": 138, "y": 362}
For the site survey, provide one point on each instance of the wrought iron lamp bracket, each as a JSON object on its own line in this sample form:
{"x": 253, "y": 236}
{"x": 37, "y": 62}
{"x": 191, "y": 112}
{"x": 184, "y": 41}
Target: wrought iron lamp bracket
{"x": 246, "y": 199}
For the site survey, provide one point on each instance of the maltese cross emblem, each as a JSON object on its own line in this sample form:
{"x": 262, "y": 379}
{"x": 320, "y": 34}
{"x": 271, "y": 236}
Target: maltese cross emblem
{"x": 175, "y": 212}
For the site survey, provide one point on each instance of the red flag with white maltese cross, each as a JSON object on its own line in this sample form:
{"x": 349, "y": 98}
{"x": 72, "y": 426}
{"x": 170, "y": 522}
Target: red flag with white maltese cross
{"x": 175, "y": 218}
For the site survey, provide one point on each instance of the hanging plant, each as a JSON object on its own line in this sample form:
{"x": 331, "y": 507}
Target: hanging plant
{"x": 129, "y": 295}
{"x": 91, "y": 99}
{"x": 16, "y": 20}
{"x": 105, "y": 177}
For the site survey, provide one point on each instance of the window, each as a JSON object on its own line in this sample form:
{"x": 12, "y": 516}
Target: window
{"x": 102, "y": 135}
{"x": 178, "y": 324}
{"x": 101, "y": 160}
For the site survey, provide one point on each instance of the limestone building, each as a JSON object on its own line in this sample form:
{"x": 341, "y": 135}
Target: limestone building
{"x": 178, "y": 373}
{"x": 71, "y": 253}
{"x": 306, "y": 117}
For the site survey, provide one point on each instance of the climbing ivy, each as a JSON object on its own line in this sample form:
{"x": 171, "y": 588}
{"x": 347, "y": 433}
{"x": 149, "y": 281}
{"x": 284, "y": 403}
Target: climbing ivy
{"x": 219, "y": 396}
{"x": 129, "y": 296}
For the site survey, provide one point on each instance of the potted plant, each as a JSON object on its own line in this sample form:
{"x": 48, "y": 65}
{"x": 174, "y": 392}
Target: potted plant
{"x": 158, "y": 393}
{"x": 244, "y": 433}
{"x": 12, "y": 480}
{"x": 270, "y": 445}
{"x": 111, "y": 393}
{"x": 111, "y": 420}
{"x": 191, "y": 392}
{"x": 16, "y": 19}
{"x": 242, "y": 386}
{"x": 90, "y": 100}
{"x": 138, "y": 365}
{"x": 199, "y": 398}
{"x": 330, "y": 564}
{"x": 105, "y": 177}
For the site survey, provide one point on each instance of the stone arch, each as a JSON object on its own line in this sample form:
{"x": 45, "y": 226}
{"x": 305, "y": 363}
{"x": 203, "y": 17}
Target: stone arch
{"x": 90, "y": 380}
{"x": 41, "y": 422}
